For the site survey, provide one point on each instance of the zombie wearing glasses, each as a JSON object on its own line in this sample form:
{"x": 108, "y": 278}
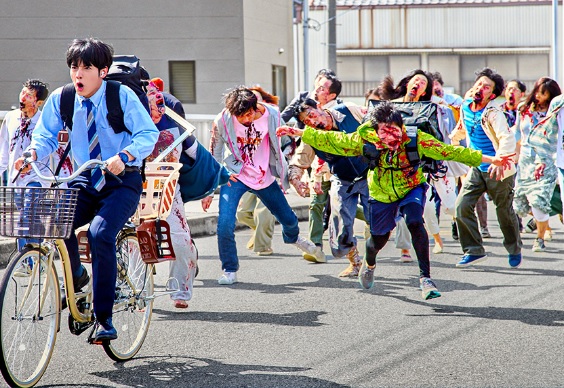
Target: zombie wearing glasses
{"x": 197, "y": 163}
{"x": 345, "y": 190}
{"x": 325, "y": 93}
{"x": 183, "y": 269}
{"x": 396, "y": 187}
{"x": 244, "y": 140}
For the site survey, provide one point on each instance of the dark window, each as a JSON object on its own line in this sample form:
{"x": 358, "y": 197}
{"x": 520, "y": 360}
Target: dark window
{"x": 183, "y": 80}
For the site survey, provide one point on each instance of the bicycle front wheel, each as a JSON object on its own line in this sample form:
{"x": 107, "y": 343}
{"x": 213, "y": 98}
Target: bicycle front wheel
{"x": 30, "y": 315}
{"x": 134, "y": 300}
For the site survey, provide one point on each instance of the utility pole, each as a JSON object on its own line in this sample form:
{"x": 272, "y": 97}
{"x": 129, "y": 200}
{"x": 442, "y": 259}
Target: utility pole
{"x": 295, "y": 34}
{"x": 332, "y": 45}
{"x": 305, "y": 21}
{"x": 554, "y": 51}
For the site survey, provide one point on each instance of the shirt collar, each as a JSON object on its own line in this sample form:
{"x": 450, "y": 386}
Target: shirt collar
{"x": 34, "y": 118}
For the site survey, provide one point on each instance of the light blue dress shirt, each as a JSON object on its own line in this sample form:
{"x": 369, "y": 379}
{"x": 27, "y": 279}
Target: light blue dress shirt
{"x": 139, "y": 143}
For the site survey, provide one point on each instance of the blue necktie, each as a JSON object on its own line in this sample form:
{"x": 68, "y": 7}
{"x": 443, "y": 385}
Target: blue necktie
{"x": 97, "y": 178}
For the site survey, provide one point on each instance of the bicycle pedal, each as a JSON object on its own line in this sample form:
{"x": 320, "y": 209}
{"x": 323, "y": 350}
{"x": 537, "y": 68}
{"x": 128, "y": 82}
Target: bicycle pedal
{"x": 92, "y": 341}
{"x": 78, "y": 328}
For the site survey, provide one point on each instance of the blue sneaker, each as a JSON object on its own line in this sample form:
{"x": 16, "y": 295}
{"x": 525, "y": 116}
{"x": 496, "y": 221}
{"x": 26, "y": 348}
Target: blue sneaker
{"x": 468, "y": 260}
{"x": 515, "y": 260}
{"x": 366, "y": 276}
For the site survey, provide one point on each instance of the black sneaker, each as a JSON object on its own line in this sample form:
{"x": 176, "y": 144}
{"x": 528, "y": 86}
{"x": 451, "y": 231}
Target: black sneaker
{"x": 81, "y": 281}
{"x": 454, "y": 231}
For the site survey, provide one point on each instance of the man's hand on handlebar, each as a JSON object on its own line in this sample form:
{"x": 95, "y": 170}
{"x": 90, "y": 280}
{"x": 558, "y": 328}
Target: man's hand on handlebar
{"x": 115, "y": 165}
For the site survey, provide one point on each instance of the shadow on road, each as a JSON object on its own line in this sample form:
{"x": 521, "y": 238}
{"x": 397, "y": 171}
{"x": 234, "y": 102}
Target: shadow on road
{"x": 175, "y": 371}
{"x": 303, "y": 318}
{"x": 529, "y": 316}
{"x": 322, "y": 281}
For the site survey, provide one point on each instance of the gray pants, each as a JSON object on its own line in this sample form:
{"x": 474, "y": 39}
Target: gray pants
{"x": 501, "y": 192}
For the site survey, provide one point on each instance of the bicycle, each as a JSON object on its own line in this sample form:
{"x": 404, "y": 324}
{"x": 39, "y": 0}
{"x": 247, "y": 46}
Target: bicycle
{"x": 30, "y": 295}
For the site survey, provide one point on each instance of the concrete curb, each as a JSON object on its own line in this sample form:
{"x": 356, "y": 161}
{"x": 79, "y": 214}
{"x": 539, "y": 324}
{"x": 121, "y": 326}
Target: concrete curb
{"x": 199, "y": 226}
{"x": 207, "y": 226}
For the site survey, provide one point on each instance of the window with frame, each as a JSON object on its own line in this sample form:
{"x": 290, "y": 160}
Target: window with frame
{"x": 182, "y": 76}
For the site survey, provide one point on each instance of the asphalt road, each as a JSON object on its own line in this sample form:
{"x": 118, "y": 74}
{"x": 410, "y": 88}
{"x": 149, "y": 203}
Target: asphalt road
{"x": 290, "y": 323}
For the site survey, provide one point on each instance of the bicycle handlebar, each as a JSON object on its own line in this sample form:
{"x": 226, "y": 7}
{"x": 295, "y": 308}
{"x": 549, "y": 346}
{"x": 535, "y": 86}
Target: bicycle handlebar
{"x": 92, "y": 162}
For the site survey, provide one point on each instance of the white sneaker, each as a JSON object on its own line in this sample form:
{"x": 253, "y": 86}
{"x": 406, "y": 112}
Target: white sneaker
{"x": 437, "y": 248}
{"x": 538, "y": 245}
{"x": 227, "y": 278}
{"x": 311, "y": 251}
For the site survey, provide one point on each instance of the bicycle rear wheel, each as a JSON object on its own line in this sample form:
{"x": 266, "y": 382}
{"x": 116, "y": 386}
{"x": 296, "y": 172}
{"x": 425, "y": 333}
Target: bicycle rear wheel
{"x": 30, "y": 314}
{"x": 134, "y": 300}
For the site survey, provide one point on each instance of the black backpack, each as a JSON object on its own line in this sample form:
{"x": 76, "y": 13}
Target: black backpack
{"x": 126, "y": 70}
{"x": 420, "y": 115}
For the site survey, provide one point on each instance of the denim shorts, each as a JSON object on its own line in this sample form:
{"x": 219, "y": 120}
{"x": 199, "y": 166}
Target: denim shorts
{"x": 383, "y": 216}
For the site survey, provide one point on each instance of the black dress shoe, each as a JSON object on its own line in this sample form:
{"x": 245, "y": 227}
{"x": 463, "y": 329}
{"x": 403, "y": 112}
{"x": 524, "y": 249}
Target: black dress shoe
{"x": 81, "y": 281}
{"x": 106, "y": 331}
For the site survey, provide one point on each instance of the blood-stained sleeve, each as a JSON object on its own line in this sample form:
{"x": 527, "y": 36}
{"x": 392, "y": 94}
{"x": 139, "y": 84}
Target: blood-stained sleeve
{"x": 333, "y": 142}
{"x": 431, "y": 147}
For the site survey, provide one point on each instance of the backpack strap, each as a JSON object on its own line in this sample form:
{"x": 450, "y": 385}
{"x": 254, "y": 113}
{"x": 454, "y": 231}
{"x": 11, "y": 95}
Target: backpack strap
{"x": 115, "y": 113}
{"x": 411, "y": 149}
{"x": 66, "y": 109}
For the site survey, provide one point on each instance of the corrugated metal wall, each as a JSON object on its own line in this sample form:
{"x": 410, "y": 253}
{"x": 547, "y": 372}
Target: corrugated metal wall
{"x": 442, "y": 27}
{"x": 412, "y": 33}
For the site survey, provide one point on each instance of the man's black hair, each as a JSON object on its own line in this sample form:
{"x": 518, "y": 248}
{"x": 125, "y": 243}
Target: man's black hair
{"x": 438, "y": 77}
{"x": 385, "y": 113}
{"x": 522, "y": 87}
{"x": 40, "y": 88}
{"x": 336, "y": 85}
{"x": 495, "y": 77}
{"x": 325, "y": 72}
{"x": 240, "y": 100}
{"x": 90, "y": 52}
{"x": 303, "y": 106}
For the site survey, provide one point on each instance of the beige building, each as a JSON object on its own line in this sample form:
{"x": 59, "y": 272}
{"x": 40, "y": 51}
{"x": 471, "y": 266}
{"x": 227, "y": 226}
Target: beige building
{"x": 200, "y": 48}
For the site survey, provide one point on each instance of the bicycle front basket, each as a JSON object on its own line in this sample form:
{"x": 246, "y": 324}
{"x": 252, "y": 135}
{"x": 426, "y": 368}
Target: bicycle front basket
{"x": 42, "y": 212}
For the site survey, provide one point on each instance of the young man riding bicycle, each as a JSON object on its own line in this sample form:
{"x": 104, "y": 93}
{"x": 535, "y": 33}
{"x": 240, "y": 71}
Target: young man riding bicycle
{"x": 102, "y": 201}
